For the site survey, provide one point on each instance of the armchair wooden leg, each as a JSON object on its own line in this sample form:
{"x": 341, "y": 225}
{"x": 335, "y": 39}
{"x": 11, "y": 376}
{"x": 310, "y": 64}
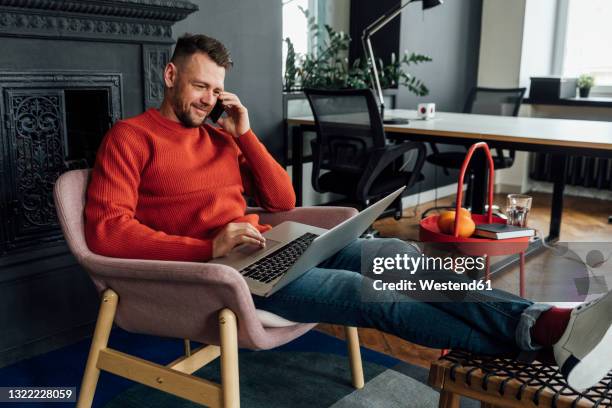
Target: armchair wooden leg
{"x": 229, "y": 359}
{"x": 187, "y": 347}
{"x": 352, "y": 339}
{"x": 104, "y": 324}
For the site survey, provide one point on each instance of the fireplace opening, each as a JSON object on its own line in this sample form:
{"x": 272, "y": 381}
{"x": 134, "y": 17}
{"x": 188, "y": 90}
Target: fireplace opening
{"x": 88, "y": 118}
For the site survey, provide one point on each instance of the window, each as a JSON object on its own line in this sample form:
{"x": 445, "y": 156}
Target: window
{"x": 583, "y": 41}
{"x": 295, "y": 27}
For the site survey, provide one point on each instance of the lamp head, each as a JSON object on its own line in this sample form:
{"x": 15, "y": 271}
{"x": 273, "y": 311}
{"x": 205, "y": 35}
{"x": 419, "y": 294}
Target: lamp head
{"x": 427, "y": 4}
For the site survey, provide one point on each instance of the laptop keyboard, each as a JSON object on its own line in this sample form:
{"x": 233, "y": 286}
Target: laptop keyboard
{"x": 278, "y": 262}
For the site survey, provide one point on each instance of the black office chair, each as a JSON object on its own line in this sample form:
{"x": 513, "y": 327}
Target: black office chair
{"x": 351, "y": 155}
{"x": 483, "y": 101}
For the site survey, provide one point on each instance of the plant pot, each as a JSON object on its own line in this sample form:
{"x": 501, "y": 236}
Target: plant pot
{"x": 584, "y": 92}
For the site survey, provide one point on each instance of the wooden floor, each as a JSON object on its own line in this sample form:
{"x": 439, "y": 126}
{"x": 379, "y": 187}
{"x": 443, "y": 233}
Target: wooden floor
{"x": 584, "y": 220}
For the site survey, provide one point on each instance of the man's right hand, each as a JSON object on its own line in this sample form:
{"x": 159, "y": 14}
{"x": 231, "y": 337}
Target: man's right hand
{"x": 233, "y": 234}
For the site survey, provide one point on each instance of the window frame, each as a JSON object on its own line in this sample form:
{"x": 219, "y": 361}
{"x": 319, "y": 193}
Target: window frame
{"x": 559, "y": 48}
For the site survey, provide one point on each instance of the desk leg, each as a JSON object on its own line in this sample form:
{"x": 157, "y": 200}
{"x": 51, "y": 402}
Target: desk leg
{"x": 296, "y": 162}
{"x": 559, "y": 170}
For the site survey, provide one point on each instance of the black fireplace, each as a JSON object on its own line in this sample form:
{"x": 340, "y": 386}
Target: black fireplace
{"x": 54, "y": 121}
{"x": 68, "y": 71}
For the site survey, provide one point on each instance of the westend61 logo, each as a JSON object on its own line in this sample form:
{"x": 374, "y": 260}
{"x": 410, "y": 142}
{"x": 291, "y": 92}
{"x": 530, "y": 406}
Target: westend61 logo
{"x": 561, "y": 272}
{"x": 412, "y": 264}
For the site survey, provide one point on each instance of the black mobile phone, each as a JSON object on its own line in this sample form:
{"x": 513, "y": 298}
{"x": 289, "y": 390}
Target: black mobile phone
{"x": 216, "y": 112}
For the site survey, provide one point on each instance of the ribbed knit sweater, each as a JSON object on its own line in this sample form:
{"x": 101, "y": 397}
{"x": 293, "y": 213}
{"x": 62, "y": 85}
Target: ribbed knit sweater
{"x": 162, "y": 191}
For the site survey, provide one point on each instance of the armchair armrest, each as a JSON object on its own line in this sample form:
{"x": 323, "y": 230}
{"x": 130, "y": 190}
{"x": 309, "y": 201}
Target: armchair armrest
{"x": 163, "y": 271}
{"x": 322, "y": 217}
{"x": 178, "y": 299}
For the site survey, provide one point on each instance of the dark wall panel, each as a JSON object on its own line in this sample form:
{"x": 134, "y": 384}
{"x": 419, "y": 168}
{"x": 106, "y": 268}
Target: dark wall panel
{"x": 385, "y": 41}
{"x": 252, "y": 31}
{"x": 450, "y": 35}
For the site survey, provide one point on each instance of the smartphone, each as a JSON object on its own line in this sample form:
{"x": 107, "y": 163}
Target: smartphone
{"x": 216, "y": 112}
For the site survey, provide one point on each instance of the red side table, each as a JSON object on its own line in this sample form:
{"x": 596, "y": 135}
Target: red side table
{"x": 429, "y": 231}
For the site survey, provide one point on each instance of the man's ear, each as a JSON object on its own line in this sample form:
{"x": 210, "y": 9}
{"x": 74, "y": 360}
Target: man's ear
{"x": 170, "y": 73}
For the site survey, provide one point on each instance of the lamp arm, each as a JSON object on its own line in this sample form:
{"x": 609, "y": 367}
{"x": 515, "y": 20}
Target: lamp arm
{"x": 385, "y": 18}
{"x": 373, "y": 71}
{"x": 369, "y": 53}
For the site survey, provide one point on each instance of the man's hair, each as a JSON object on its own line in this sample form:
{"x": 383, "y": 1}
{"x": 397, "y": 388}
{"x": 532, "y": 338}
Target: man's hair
{"x": 188, "y": 44}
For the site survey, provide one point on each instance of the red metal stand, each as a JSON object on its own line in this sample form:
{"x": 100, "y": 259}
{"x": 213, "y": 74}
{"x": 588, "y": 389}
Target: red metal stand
{"x": 429, "y": 231}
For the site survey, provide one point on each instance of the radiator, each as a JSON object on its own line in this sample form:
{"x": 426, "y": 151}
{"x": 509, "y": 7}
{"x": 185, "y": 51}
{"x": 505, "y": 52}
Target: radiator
{"x": 581, "y": 171}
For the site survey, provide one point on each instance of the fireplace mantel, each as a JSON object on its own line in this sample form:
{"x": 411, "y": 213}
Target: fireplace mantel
{"x": 114, "y": 20}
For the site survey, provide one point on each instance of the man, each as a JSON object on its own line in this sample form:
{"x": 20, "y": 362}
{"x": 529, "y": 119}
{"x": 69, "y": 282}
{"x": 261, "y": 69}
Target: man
{"x": 168, "y": 186}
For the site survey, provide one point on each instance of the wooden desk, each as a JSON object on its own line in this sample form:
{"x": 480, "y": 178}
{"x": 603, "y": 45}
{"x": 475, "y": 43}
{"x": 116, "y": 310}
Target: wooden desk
{"x": 561, "y": 137}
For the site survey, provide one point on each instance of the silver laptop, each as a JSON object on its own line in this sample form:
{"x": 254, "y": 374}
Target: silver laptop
{"x": 293, "y": 248}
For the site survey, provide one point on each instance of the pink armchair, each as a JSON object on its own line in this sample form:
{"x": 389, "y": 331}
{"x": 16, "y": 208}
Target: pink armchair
{"x": 205, "y": 302}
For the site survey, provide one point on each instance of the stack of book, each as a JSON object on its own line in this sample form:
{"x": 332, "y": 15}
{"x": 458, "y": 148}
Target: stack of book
{"x": 502, "y": 231}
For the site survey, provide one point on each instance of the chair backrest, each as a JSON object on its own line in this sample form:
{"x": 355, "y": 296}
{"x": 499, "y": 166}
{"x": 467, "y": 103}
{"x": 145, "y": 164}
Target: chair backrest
{"x": 348, "y": 126}
{"x": 494, "y": 101}
{"x": 70, "y": 193}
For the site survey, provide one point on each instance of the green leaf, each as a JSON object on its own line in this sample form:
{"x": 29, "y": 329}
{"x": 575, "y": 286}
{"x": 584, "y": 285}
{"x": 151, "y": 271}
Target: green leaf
{"x": 328, "y": 67}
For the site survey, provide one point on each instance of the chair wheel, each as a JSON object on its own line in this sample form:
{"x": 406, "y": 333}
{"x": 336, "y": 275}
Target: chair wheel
{"x": 397, "y": 215}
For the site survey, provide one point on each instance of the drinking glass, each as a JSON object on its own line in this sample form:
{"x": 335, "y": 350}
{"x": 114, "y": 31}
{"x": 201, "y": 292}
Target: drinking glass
{"x": 517, "y": 209}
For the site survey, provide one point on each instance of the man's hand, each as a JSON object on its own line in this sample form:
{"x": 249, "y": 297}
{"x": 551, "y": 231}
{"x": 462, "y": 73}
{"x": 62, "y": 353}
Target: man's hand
{"x": 237, "y": 121}
{"x": 236, "y": 233}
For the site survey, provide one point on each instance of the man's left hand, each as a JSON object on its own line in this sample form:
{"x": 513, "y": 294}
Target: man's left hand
{"x": 237, "y": 121}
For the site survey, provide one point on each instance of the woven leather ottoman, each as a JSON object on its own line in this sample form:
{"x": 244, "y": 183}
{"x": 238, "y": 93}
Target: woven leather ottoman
{"x": 506, "y": 382}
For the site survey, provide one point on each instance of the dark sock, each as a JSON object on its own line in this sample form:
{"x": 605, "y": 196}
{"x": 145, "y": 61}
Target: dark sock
{"x": 550, "y": 326}
{"x": 546, "y": 356}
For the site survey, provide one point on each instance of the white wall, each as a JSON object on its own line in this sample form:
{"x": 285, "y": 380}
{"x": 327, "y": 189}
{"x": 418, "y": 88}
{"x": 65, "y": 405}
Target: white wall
{"x": 499, "y": 66}
{"x": 516, "y": 44}
{"x": 501, "y": 41}
{"x": 338, "y": 13}
{"x": 538, "y": 40}
{"x": 517, "y": 41}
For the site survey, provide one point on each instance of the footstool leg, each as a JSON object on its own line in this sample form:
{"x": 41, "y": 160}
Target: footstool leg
{"x": 448, "y": 400}
{"x": 522, "y": 275}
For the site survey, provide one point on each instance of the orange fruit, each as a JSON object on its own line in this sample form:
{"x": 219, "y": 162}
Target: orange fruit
{"x": 466, "y": 227}
{"x": 446, "y": 222}
{"x": 465, "y": 212}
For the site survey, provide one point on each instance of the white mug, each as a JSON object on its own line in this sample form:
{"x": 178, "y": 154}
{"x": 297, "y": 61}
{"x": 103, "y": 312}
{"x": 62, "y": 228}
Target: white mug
{"x": 426, "y": 111}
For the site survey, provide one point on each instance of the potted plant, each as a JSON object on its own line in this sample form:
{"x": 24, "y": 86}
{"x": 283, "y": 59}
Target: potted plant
{"x": 326, "y": 67}
{"x": 585, "y": 83}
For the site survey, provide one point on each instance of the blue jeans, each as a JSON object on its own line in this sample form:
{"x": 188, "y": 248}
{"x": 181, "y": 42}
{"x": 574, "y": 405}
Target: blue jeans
{"x": 497, "y": 322}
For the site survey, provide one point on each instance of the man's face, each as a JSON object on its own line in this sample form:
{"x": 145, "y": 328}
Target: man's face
{"x": 194, "y": 89}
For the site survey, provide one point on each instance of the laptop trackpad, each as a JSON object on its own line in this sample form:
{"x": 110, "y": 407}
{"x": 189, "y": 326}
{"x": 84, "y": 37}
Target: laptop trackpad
{"x": 248, "y": 249}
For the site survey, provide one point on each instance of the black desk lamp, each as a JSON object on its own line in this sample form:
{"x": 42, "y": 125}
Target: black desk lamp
{"x": 367, "y": 48}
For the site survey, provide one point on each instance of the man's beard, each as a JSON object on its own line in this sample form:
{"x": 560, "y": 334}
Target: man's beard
{"x": 184, "y": 116}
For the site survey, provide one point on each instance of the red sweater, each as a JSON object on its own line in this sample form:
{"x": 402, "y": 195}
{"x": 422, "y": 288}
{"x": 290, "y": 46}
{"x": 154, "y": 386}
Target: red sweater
{"x": 162, "y": 191}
